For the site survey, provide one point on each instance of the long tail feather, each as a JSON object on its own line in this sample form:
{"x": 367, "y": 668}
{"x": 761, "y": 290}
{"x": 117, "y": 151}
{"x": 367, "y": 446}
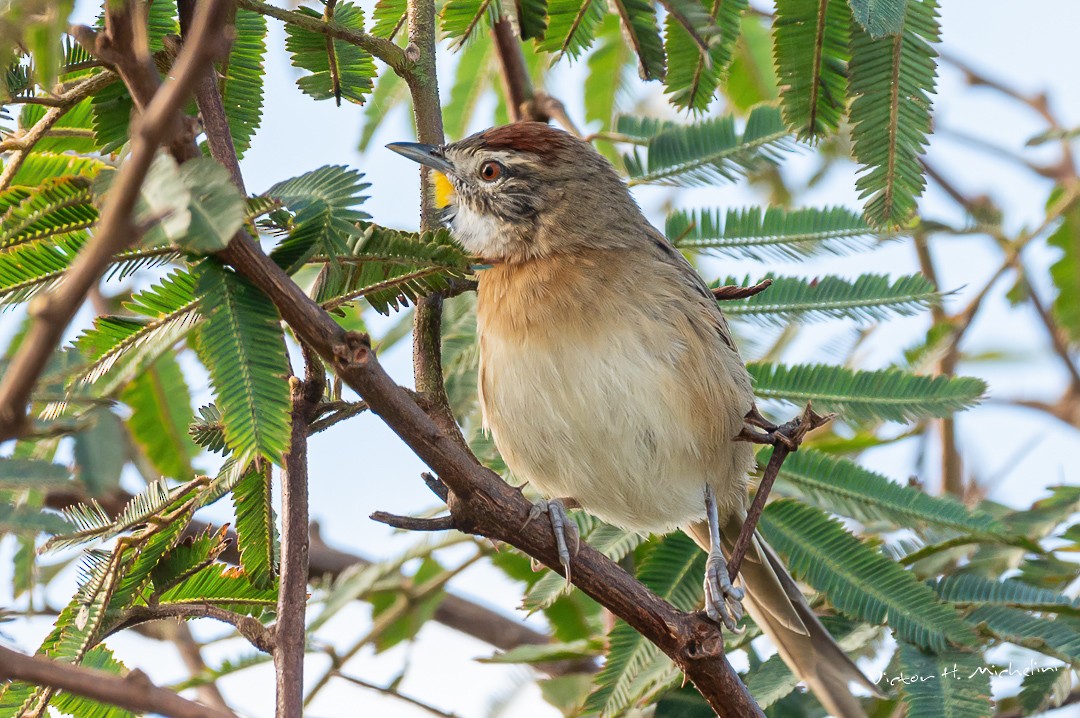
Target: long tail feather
{"x": 777, "y": 605}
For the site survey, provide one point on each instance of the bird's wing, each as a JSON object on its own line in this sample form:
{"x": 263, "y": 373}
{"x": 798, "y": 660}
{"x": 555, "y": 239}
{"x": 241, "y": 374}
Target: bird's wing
{"x": 695, "y": 286}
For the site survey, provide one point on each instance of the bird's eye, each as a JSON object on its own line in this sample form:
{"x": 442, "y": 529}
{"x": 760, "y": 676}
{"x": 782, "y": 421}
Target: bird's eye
{"x": 491, "y": 171}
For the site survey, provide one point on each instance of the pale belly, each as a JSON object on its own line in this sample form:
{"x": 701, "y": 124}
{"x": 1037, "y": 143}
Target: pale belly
{"x": 607, "y": 421}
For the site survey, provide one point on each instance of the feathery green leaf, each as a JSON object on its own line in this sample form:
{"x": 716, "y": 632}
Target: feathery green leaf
{"x": 468, "y": 87}
{"x": 32, "y": 474}
{"x": 810, "y": 44}
{"x": 340, "y": 70}
{"x": 967, "y": 588}
{"x": 843, "y": 487}
{"x": 858, "y": 396}
{"x": 951, "y": 684}
{"x": 699, "y": 38}
{"x": 225, "y": 587}
{"x": 531, "y": 17}
{"x": 243, "y": 347}
{"x": 672, "y": 568}
{"x": 572, "y": 26}
{"x": 242, "y": 79}
{"x": 461, "y": 18}
{"x": 160, "y": 404}
{"x": 643, "y": 34}
{"x": 1065, "y": 271}
{"x": 871, "y": 297}
{"x": 774, "y": 234}
{"x": 857, "y": 579}
{"x": 703, "y": 152}
{"x": 390, "y": 268}
{"x": 388, "y": 18}
{"x": 256, "y": 532}
{"x": 892, "y": 80}
{"x": 879, "y": 17}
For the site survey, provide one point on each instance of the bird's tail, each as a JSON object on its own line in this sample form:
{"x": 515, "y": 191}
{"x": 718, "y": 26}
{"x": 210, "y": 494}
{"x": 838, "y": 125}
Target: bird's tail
{"x": 777, "y": 605}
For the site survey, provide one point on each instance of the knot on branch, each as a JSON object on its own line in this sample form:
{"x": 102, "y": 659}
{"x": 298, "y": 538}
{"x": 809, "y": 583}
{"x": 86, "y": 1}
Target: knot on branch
{"x": 353, "y": 350}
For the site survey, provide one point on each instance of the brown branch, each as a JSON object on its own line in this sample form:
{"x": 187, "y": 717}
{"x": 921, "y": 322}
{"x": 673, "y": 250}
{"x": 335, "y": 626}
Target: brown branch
{"x": 785, "y": 439}
{"x": 394, "y": 693}
{"x": 515, "y": 76}
{"x": 53, "y": 311}
{"x": 257, "y": 634}
{"x": 21, "y": 145}
{"x": 423, "y": 85}
{"x": 133, "y": 692}
{"x": 413, "y": 523}
{"x": 289, "y": 631}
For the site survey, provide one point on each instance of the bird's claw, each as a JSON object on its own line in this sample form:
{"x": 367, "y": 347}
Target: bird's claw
{"x": 562, "y": 526}
{"x": 723, "y": 601}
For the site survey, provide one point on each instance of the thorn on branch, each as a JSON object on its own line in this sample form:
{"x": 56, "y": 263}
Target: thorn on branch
{"x": 734, "y": 291}
{"x": 413, "y": 523}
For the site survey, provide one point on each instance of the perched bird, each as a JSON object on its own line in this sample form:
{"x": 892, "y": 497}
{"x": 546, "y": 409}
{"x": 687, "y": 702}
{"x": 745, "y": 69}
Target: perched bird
{"x": 608, "y": 377}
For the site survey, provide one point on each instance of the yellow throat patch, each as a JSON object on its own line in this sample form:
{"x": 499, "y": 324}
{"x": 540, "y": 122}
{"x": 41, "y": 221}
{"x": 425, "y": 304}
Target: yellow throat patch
{"x": 444, "y": 191}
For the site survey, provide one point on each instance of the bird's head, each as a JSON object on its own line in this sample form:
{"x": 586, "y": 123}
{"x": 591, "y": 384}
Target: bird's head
{"x": 526, "y": 190}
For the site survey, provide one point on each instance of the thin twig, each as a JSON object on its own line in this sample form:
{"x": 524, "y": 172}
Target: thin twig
{"x": 414, "y": 523}
{"x": 257, "y": 634}
{"x": 393, "y": 692}
{"x": 289, "y": 631}
{"x": 785, "y": 439}
{"x": 21, "y": 145}
{"x": 133, "y": 692}
{"x": 53, "y": 311}
{"x": 381, "y": 48}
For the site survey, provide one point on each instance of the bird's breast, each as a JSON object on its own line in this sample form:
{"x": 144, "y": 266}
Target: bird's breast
{"x": 587, "y": 396}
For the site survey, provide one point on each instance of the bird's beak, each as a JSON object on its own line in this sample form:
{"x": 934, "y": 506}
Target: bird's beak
{"x": 428, "y": 155}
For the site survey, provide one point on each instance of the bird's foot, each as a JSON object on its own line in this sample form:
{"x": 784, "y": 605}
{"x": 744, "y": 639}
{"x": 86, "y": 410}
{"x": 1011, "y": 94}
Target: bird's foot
{"x": 565, "y": 530}
{"x": 723, "y": 601}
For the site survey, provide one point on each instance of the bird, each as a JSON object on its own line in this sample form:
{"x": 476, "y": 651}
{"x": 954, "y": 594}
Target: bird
{"x": 608, "y": 377}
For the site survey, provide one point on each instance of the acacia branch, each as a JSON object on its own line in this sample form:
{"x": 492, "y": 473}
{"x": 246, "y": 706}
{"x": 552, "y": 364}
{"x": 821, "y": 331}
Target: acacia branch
{"x": 250, "y": 628}
{"x": 53, "y": 311}
{"x": 289, "y": 631}
{"x": 133, "y": 692}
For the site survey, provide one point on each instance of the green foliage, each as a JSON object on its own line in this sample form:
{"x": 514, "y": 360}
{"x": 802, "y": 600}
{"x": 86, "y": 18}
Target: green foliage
{"x": 243, "y": 347}
{"x": 699, "y": 38}
{"x": 639, "y": 23}
{"x": 339, "y": 70}
{"x": 388, "y": 17}
{"x": 160, "y": 411}
{"x": 120, "y": 348}
{"x": 57, "y": 207}
{"x": 465, "y": 93}
{"x": 255, "y": 528}
{"x": 32, "y": 474}
{"x": 811, "y": 49}
{"x": 571, "y": 26}
{"x": 531, "y": 17}
{"x": 970, "y": 589}
{"x": 870, "y": 297}
{"x": 224, "y": 587}
{"x": 860, "y": 396}
{"x": 843, "y": 487}
{"x": 707, "y": 151}
{"x": 324, "y": 202}
{"x": 389, "y": 268}
{"x": 1065, "y": 272}
{"x": 672, "y": 568}
{"x": 241, "y": 80}
{"x": 892, "y": 79}
{"x": 879, "y": 17}
{"x": 857, "y": 579}
{"x": 460, "y": 18}
{"x": 774, "y": 233}
{"x": 97, "y": 658}
{"x": 952, "y": 684}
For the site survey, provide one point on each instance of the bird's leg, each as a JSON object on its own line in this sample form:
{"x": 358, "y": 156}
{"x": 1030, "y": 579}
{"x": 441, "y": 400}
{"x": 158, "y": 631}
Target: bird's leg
{"x": 723, "y": 601}
{"x": 562, "y": 526}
